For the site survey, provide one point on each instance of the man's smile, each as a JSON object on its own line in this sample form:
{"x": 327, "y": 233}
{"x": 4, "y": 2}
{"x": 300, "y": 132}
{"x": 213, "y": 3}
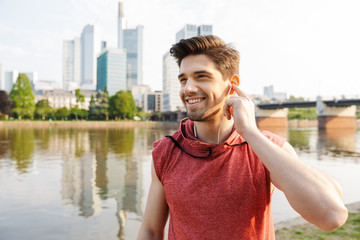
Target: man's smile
{"x": 194, "y": 100}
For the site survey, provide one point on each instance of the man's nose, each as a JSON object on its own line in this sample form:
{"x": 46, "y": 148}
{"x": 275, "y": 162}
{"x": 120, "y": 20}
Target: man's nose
{"x": 190, "y": 86}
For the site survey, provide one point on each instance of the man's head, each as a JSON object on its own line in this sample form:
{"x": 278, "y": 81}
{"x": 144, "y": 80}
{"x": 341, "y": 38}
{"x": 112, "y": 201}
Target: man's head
{"x": 207, "y": 67}
{"x": 225, "y": 57}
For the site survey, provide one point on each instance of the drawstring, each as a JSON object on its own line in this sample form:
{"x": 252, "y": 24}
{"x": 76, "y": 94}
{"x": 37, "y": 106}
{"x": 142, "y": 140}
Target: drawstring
{"x": 210, "y": 149}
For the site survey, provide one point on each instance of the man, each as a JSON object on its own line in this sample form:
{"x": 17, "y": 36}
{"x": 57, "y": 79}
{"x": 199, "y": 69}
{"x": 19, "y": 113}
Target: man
{"x": 215, "y": 176}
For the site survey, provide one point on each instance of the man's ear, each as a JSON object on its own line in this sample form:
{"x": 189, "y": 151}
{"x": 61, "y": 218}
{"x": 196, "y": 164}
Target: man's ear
{"x": 235, "y": 80}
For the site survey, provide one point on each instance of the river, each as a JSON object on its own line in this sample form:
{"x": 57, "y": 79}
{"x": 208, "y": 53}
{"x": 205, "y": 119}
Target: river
{"x": 65, "y": 183}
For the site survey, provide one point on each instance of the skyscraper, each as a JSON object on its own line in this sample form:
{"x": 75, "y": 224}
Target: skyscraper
{"x": 205, "y": 30}
{"x": 90, "y": 47}
{"x": 10, "y": 79}
{"x": 33, "y": 77}
{"x": 71, "y": 64}
{"x": 111, "y": 70}
{"x": 187, "y": 31}
{"x": 121, "y": 21}
{"x": 171, "y": 86}
{"x": 190, "y": 30}
{"x": 132, "y": 41}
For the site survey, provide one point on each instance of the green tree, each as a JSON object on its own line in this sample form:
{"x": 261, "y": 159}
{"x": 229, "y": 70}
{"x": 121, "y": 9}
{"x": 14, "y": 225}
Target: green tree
{"x": 296, "y": 99}
{"x": 93, "y": 111}
{"x": 43, "y": 109}
{"x": 122, "y": 105}
{"x": 103, "y": 104}
{"x": 23, "y": 98}
{"x": 80, "y": 98}
{"x": 62, "y": 113}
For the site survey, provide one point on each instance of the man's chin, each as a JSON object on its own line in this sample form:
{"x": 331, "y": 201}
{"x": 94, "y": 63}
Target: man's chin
{"x": 195, "y": 116}
{"x": 201, "y": 116}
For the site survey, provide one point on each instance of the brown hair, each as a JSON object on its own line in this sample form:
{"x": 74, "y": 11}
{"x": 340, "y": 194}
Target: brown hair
{"x": 225, "y": 56}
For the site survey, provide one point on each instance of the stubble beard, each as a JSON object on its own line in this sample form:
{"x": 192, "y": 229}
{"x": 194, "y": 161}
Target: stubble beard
{"x": 202, "y": 115}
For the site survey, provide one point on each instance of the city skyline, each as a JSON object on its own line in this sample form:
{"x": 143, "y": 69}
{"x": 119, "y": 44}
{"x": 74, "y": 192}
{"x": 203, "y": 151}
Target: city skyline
{"x": 303, "y": 48}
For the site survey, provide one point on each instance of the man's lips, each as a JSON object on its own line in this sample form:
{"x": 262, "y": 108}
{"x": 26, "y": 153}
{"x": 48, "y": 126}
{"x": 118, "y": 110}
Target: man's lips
{"x": 194, "y": 100}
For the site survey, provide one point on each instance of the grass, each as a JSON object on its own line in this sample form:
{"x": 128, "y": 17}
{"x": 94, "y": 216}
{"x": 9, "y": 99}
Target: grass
{"x": 349, "y": 231}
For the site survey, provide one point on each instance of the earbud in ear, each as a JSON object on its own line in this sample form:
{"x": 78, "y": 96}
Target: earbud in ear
{"x": 229, "y": 89}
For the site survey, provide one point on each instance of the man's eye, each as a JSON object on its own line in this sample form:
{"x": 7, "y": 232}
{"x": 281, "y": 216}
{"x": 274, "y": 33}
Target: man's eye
{"x": 202, "y": 76}
{"x": 182, "y": 79}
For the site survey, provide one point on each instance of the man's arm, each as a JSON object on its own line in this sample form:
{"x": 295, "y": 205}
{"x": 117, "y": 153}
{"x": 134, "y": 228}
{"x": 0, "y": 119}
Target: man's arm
{"x": 156, "y": 211}
{"x": 314, "y": 195}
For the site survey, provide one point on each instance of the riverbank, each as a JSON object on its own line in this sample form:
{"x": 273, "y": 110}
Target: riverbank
{"x": 86, "y": 124}
{"x": 124, "y": 124}
{"x": 298, "y": 228}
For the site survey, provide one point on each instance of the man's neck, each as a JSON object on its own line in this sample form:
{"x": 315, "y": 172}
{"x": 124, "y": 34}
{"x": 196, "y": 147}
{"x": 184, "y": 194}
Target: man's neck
{"x": 213, "y": 131}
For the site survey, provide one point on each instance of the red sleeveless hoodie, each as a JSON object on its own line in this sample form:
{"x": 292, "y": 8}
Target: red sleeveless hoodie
{"x": 225, "y": 195}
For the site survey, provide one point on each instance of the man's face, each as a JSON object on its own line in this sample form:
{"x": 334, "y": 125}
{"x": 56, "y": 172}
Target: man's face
{"x": 203, "y": 89}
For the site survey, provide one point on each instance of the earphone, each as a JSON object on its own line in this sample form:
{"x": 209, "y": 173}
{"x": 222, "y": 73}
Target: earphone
{"x": 229, "y": 89}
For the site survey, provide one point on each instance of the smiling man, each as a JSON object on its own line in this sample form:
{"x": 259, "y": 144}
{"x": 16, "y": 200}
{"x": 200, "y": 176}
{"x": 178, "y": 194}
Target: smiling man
{"x": 215, "y": 176}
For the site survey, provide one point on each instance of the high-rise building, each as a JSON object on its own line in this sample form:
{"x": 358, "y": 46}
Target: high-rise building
{"x": 132, "y": 41}
{"x": 171, "y": 85}
{"x": 138, "y": 93}
{"x": 111, "y": 70}
{"x": 71, "y": 64}
{"x": 10, "y": 79}
{"x": 121, "y": 21}
{"x": 205, "y": 30}
{"x": 90, "y": 47}
{"x": 190, "y": 30}
{"x": 33, "y": 77}
{"x": 187, "y": 31}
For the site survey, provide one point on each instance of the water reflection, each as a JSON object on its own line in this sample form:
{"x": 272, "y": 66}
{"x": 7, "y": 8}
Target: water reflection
{"x": 337, "y": 143}
{"x": 21, "y": 145}
{"x": 99, "y": 166}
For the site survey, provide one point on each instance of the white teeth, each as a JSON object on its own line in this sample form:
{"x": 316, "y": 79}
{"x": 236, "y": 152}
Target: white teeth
{"x": 194, "y": 101}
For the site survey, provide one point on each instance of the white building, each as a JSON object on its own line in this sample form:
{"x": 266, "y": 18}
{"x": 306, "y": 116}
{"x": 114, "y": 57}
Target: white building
{"x": 171, "y": 85}
{"x": 138, "y": 93}
{"x": 59, "y": 98}
{"x": 71, "y": 64}
{"x": 46, "y": 85}
{"x": 272, "y": 95}
{"x": 153, "y": 102}
{"x": 90, "y": 47}
{"x": 10, "y": 79}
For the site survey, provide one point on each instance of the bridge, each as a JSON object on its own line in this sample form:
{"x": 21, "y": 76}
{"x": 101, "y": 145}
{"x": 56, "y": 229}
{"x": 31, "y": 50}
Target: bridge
{"x": 331, "y": 113}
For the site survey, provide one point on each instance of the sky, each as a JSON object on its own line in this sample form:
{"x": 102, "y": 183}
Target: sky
{"x": 304, "y": 48}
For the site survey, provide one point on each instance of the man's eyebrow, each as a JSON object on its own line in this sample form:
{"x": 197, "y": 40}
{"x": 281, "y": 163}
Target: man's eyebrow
{"x": 202, "y": 71}
{"x": 181, "y": 75}
{"x": 197, "y": 72}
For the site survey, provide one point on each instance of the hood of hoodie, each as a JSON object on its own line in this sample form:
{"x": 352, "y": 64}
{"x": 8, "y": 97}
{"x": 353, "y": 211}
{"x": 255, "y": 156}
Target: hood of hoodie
{"x": 192, "y": 146}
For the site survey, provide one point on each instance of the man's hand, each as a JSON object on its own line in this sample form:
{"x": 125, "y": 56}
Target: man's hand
{"x": 242, "y": 108}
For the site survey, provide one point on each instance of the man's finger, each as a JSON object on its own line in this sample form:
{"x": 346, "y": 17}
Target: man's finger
{"x": 240, "y": 92}
{"x": 227, "y": 110}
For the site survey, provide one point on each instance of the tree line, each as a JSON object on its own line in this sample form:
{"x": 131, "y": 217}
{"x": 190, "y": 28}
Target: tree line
{"x": 20, "y": 104}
